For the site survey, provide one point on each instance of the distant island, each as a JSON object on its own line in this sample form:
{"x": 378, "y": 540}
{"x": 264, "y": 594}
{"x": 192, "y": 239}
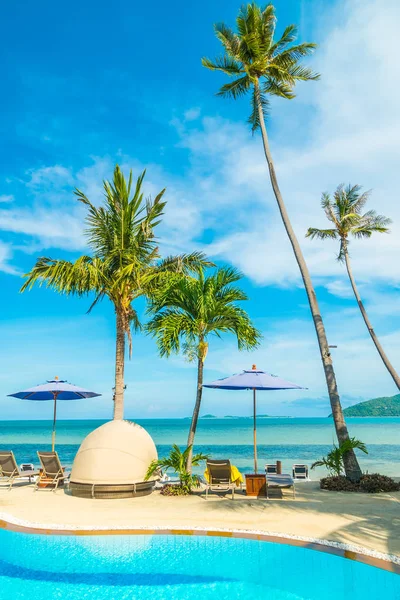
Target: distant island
{"x": 208, "y": 416}
{"x": 387, "y": 406}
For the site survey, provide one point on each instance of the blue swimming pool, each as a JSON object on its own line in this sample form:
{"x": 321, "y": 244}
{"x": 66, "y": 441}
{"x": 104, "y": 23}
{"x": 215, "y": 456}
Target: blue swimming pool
{"x": 152, "y": 567}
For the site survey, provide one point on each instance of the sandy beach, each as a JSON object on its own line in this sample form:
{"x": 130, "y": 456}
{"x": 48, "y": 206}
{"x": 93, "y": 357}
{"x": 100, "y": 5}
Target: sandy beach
{"x": 369, "y": 521}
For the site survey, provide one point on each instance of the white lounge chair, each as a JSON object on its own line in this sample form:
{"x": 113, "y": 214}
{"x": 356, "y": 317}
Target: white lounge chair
{"x": 271, "y": 469}
{"x": 300, "y": 472}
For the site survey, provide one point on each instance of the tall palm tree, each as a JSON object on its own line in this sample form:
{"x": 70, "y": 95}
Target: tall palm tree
{"x": 190, "y": 310}
{"x": 262, "y": 67}
{"x": 125, "y": 263}
{"x": 345, "y": 212}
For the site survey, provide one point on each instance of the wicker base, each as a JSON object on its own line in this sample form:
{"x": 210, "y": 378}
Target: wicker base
{"x": 133, "y": 490}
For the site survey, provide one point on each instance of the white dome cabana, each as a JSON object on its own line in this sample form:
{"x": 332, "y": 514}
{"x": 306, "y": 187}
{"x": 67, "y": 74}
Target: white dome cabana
{"x": 112, "y": 462}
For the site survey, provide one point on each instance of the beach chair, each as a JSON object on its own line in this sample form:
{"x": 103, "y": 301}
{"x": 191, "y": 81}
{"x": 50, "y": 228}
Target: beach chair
{"x": 9, "y": 471}
{"x": 52, "y": 474}
{"x": 281, "y": 482}
{"x": 300, "y": 472}
{"x": 26, "y": 467}
{"x": 219, "y": 477}
{"x": 271, "y": 469}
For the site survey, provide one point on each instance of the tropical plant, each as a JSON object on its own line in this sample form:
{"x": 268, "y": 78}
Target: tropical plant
{"x": 263, "y": 67}
{"x": 177, "y": 461}
{"x": 125, "y": 262}
{"x": 190, "y": 310}
{"x": 334, "y": 460}
{"x": 345, "y": 212}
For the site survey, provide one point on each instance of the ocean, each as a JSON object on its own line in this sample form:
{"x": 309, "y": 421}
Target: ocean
{"x": 291, "y": 440}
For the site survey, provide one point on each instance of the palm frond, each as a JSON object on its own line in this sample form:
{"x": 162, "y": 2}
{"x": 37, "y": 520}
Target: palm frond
{"x": 80, "y": 278}
{"x": 278, "y": 88}
{"x": 288, "y": 36}
{"x": 321, "y": 234}
{"x": 228, "y": 39}
{"x": 226, "y": 64}
{"x": 235, "y": 89}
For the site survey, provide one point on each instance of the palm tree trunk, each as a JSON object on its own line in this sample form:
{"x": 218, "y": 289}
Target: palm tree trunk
{"x": 351, "y": 465}
{"x": 196, "y": 411}
{"x": 119, "y": 370}
{"x": 378, "y": 346}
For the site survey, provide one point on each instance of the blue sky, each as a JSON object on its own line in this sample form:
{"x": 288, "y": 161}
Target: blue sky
{"x": 89, "y": 86}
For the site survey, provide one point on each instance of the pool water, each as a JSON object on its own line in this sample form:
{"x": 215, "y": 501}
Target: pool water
{"x": 152, "y": 567}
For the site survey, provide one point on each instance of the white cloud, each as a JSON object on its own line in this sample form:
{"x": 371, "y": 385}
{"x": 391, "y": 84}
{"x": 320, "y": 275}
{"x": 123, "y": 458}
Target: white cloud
{"x": 46, "y": 178}
{"x": 340, "y": 288}
{"x": 349, "y": 133}
{"x": 6, "y": 198}
{"x": 5, "y": 258}
{"x": 192, "y": 114}
{"x": 52, "y": 228}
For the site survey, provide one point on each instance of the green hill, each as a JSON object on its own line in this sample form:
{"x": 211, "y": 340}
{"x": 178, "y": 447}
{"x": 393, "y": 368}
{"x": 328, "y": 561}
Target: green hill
{"x": 377, "y": 407}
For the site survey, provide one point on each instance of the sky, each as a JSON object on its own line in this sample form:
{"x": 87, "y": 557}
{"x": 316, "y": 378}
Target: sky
{"x": 88, "y": 86}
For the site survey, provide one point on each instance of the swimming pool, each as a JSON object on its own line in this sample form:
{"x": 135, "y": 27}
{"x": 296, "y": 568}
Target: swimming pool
{"x": 152, "y": 567}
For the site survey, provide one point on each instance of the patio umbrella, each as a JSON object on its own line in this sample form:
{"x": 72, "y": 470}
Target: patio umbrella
{"x": 253, "y": 380}
{"x": 56, "y": 389}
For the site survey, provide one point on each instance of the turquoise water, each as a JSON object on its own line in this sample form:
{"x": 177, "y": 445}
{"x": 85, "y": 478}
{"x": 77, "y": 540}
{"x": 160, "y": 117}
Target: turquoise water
{"x": 288, "y": 439}
{"x": 179, "y": 567}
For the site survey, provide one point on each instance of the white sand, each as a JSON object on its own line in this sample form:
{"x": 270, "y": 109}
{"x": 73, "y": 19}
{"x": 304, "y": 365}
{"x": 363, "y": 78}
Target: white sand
{"x": 369, "y": 521}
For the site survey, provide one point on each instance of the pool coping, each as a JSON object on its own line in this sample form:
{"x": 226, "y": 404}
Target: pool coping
{"x": 387, "y": 562}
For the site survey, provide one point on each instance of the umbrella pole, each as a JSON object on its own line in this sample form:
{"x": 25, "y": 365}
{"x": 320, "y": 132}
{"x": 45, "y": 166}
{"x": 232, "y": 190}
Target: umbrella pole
{"x": 53, "y": 435}
{"x": 255, "y": 431}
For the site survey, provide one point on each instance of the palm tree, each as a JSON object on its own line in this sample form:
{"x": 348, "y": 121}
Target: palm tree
{"x": 345, "y": 212}
{"x": 262, "y": 67}
{"x": 192, "y": 309}
{"x": 125, "y": 263}
{"x": 177, "y": 461}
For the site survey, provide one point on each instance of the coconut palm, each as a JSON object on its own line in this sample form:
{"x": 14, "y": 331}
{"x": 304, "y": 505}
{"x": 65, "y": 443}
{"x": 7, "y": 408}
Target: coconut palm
{"x": 125, "y": 263}
{"x": 262, "y": 66}
{"x": 345, "y": 212}
{"x": 189, "y": 311}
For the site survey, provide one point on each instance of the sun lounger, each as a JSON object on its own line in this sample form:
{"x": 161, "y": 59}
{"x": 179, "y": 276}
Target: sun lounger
{"x": 219, "y": 477}
{"x": 26, "y": 467}
{"x": 271, "y": 469}
{"x": 9, "y": 471}
{"x": 280, "y": 481}
{"x": 52, "y": 474}
{"x": 300, "y": 472}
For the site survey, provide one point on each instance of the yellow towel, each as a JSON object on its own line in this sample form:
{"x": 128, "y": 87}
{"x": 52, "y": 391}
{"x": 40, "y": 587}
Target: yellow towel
{"x": 236, "y": 475}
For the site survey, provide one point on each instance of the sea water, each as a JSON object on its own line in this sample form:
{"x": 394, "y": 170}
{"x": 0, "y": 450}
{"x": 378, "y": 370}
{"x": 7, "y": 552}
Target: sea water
{"x": 291, "y": 440}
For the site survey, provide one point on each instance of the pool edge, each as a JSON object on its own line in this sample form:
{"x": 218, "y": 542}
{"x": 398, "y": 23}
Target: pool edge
{"x": 386, "y": 562}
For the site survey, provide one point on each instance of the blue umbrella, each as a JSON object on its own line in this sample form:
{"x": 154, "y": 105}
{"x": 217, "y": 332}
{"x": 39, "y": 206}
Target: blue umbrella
{"x": 56, "y": 389}
{"x": 253, "y": 380}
